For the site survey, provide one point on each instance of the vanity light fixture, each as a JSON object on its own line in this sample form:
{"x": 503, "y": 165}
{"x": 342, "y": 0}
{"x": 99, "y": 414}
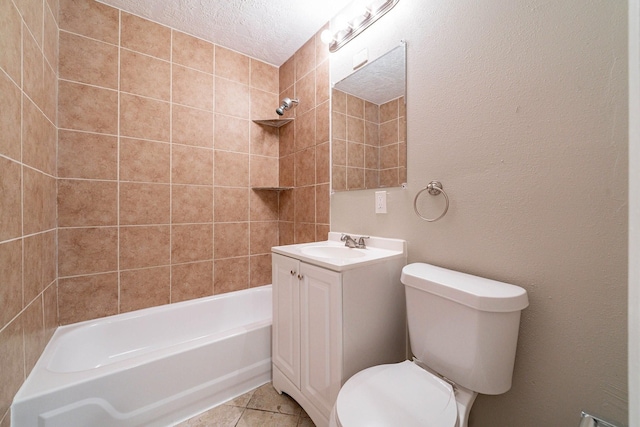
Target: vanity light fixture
{"x": 349, "y": 29}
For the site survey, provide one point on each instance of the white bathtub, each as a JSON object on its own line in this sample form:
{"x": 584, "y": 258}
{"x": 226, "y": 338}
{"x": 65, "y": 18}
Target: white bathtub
{"x": 152, "y": 367}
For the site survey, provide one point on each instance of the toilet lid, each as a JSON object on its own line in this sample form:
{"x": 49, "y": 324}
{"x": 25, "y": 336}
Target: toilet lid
{"x": 401, "y": 394}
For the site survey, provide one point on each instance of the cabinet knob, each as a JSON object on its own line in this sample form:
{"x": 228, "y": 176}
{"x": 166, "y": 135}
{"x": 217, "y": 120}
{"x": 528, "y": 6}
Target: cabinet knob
{"x": 292, "y": 272}
{"x": 300, "y": 276}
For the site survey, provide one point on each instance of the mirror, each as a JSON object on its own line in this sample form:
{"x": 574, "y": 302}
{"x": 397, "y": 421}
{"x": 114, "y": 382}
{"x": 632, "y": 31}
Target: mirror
{"x": 369, "y": 127}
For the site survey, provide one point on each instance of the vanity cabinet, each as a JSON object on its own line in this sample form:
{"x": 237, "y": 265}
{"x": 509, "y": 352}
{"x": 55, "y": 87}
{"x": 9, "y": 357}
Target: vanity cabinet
{"x": 328, "y": 325}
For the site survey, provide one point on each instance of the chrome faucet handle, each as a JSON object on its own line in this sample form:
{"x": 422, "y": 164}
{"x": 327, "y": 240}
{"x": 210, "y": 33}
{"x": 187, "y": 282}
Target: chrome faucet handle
{"x": 361, "y": 243}
{"x": 348, "y": 241}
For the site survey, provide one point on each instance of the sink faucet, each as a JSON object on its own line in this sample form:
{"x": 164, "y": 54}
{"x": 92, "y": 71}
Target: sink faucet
{"x": 350, "y": 242}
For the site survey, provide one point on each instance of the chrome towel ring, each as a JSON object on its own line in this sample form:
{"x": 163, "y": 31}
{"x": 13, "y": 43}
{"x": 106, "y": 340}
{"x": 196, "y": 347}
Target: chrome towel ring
{"x": 434, "y": 188}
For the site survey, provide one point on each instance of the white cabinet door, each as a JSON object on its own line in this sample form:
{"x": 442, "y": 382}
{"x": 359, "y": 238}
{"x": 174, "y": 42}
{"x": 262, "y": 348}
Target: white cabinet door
{"x": 321, "y": 335}
{"x": 286, "y": 317}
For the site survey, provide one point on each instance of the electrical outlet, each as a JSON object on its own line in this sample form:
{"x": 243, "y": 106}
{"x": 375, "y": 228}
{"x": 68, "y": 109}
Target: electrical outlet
{"x": 381, "y": 202}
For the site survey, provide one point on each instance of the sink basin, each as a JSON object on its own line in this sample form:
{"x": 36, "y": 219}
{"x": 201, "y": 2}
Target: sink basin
{"x": 332, "y": 252}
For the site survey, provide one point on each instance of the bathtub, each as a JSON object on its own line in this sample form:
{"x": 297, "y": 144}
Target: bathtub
{"x": 152, "y": 367}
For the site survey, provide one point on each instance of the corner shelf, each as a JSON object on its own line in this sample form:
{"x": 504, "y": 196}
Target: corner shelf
{"x": 276, "y": 123}
{"x": 271, "y": 188}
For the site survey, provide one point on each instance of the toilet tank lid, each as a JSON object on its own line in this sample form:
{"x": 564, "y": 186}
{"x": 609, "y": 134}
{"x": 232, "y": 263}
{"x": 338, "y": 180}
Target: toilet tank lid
{"x": 473, "y": 291}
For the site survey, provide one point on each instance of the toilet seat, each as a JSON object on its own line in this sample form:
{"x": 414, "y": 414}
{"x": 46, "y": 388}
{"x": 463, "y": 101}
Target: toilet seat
{"x": 401, "y": 394}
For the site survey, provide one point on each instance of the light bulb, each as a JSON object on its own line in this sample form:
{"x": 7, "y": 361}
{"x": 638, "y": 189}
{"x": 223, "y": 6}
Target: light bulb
{"x": 326, "y": 36}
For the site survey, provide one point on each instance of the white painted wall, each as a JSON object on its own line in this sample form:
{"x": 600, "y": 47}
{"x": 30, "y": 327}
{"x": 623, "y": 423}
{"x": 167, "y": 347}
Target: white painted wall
{"x": 634, "y": 213}
{"x": 520, "y": 108}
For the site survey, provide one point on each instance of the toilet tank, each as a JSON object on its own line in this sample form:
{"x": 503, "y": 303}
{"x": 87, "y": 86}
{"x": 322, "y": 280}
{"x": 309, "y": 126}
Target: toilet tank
{"x": 464, "y": 327}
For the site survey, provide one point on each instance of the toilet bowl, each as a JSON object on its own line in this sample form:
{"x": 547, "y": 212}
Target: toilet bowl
{"x": 463, "y": 331}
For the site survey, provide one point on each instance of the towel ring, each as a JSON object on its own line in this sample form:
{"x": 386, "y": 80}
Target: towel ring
{"x": 434, "y": 188}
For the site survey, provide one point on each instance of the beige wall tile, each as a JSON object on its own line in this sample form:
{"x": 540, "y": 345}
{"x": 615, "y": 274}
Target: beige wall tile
{"x": 371, "y": 178}
{"x": 263, "y": 236}
{"x": 305, "y": 232}
{"x": 339, "y": 152}
{"x": 322, "y": 231}
{"x": 191, "y": 165}
{"x": 322, "y": 122}
{"x": 338, "y": 101}
{"x": 263, "y": 205}
{"x": 322, "y": 203}
{"x": 191, "y": 203}
{"x": 144, "y": 246}
{"x": 32, "y": 68}
{"x": 355, "y": 154}
{"x": 231, "y": 274}
{"x": 10, "y": 99}
{"x": 322, "y": 82}
{"x": 339, "y": 178}
{"x": 90, "y": 18}
{"x": 145, "y": 75}
{"x": 305, "y": 204}
{"x": 232, "y": 169}
{"x": 49, "y": 258}
{"x": 355, "y": 130}
{"x": 371, "y": 157}
{"x": 371, "y": 134}
{"x": 263, "y": 104}
{"x": 191, "y": 242}
{"x": 260, "y": 269}
{"x": 322, "y": 162}
{"x": 144, "y": 118}
{"x": 191, "y": 126}
{"x": 83, "y": 203}
{"x": 87, "y": 251}
{"x": 39, "y": 198}
{"x": 145, "y": 36}
{"x": 287, "y": 74}
{"x": 144, "y": 203}
{"x": 265, "y": 140}
{"x": 11, "y": 41}
{"x": 355, "y": 178}
{"x": 286, "y": 170}
{"x": 193, "y": 280}
{"x": 306, "y": 93}
{"x": 231, "y": 204}
{"x": 51, "y": 37}
{"x": 231, "y": 239}
{"x": 87, "y": 108}
{"x": 231, "y": 98}
{"x": 10, "y": 199}
{"x": 231, "y": 65}
{"x": 38, "y": 139}
{"x": 191, "y": 87}
{"x": 287, "y": 205}
{"x": 192, "y": 52}
{"x": 11, "y": 289}
{"x": 287, "y": 139}
{"x": 85, "y": 60}
{"x": 305, "y": 59}
{"x": 32, "y": 14}
{"x": 286, "y": 233}
{"x": 145, "y": 161}
{"x": 50, "y": 94}
{"x": 264, "y": 76}
{"x": 50, "y": 297}
{"x": 33, "y": 277}
{"x": 264, "y": 171}
{"x": 88, "y": 297}
{"x": 232, "y": 133}
{"x": 144, "y": 288}
{"x": 34, "y": 336}
{"x": 87, "y": 155}
{"x": 355, "y": 106}
{"x": 389, "y": 156}
{"x": 389, "y": 111}
{"x": 12, "y": 361}
{"x": 305, "y": 130}
{"x": 371, "y": 112}
{"x": 389, "y": 132}
{"x": 305, "y": 167}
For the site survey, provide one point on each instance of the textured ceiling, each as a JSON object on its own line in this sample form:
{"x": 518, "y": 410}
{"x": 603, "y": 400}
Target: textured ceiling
{"x": 270, "y": 30}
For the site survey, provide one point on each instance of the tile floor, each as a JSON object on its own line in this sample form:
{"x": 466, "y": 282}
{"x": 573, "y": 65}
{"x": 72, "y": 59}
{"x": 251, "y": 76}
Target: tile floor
{"x": 262, "y": 407}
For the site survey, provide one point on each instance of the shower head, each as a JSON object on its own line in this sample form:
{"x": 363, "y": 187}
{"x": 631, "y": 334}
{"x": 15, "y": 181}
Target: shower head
{"x": 287, "y": 103}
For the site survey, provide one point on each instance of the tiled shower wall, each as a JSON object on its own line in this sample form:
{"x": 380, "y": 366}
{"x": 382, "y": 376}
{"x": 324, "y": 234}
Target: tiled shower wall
{"x": 304, "y": 145}
{"x": 28, "y": 68}
{"x": 157, "y": 157}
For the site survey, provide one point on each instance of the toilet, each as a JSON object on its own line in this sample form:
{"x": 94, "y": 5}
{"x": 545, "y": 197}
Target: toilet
{"x": 463, "y": 331}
